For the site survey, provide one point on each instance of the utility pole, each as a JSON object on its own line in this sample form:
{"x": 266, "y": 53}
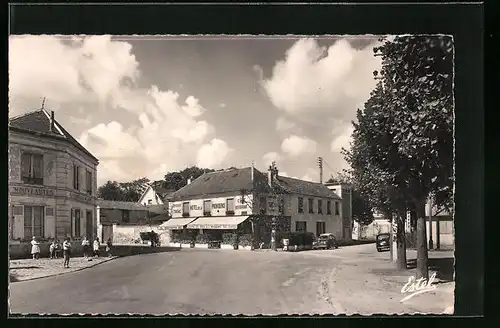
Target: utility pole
{"x": 320, "y": 165}
{"x": 431, "y": 242}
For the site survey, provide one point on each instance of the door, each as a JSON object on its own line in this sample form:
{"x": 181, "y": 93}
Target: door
{"x": 89, "y": 225}
{"x": 107, "y": 232}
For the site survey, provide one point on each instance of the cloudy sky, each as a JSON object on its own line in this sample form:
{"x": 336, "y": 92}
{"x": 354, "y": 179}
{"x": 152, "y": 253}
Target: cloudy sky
{"x": 149, "y": 105}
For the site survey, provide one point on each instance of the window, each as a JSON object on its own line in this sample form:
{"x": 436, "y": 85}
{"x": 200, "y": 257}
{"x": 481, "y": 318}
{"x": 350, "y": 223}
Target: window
{"x": 76, "y": 223}
{"x": 76, "y": 177}
{"x": 311, "y": 205}
{"x": 88, "y": 182}
{"x": 329, "y": 207}
{"x": 185, "y": 209}
{"x": 301, "y": 205}
{"x": 125, "y": 216}
{"x": 320, "y": 206}
{"x": 337, "y": 208}
{"x": 150, "y": 201}
{"x": 33, "y": 221}
{"x": 320, "y": 228}
{"x": 230, "y": 206}
{"x": 301, "y": 226}
{"x": 32, "y": 168}
{"x": 263, "y": 205}
{"x": 281, "y": 206}
{"x": 207, "y": 207}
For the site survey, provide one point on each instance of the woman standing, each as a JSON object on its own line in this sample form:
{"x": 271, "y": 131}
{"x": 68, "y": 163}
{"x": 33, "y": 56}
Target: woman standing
{"x": 35, "y": 248}
{"x": 109, "y": 244}
{"x": 66, "y": 251}
{"x": 96, "y": 245}
{"x": 86, "y": 247}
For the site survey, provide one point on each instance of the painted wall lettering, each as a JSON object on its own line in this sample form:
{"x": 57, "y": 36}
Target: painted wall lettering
{"x": 31, "y": 191}
{"x": 219, "y": 206}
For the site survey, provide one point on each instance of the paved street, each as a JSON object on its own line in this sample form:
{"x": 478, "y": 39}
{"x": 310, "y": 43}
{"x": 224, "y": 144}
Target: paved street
{"x": 349, "y": 280}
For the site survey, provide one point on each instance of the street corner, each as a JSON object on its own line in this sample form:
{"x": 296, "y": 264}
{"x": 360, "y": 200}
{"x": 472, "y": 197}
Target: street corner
{"x": 29, "y": 269}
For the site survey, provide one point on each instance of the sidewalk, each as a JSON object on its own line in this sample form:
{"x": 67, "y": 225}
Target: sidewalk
{"x": 29, "y": 269}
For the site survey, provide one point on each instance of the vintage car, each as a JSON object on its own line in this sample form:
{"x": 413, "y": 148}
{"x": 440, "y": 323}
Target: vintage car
{"x": 383, "y": 242}
{"x": 150, "y": 238}
{"x": 325, "y": 241}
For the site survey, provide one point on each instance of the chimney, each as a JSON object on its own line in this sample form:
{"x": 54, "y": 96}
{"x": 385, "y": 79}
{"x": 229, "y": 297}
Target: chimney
{"x": 252, "y": 170}
{"x": 189, "y": 180}
{"x": 270, "y": 172}
{"x": 52, "y": 121}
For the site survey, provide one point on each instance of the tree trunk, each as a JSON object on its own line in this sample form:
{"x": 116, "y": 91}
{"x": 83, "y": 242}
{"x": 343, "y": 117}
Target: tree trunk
{"x": 401, "y": 241}
{"x": 422, "y": 255}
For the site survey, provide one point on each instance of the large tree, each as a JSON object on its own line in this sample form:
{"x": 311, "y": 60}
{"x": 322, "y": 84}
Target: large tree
{"x": 407, "y": 127}
{"x": 176, "y": 180}
{"x": 123, "y": 191}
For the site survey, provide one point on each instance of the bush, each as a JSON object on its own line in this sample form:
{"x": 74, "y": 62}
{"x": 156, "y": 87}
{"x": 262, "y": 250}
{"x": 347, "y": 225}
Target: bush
{"x": 245, "y": 240}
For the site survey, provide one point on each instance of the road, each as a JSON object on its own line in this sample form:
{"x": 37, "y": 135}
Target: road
{"x": 226, "y": 282}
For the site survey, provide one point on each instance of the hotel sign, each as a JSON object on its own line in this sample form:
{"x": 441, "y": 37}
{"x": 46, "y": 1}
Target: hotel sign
{"x": 31, "y": 191}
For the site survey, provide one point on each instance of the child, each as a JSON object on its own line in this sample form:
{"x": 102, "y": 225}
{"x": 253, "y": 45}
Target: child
{"x": 97, "y": 244}
{"x": 67, "y": 251}
{"x": 86, "y": 246}
{"x": 108, "y": 246}
{"x": 35, "y": 248}
{"x": 52, "y": 249}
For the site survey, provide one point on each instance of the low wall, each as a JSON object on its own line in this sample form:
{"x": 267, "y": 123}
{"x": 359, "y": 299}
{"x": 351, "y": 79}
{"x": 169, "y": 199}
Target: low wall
{"x": 130, "y": 234}
{"x": 23, "y": 251}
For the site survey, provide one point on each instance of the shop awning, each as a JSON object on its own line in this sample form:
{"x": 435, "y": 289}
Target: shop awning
{"x": 175, "y": 224}
{"x": 217, "y": 222}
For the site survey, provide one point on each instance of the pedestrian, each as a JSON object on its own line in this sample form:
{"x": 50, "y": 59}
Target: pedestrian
{"x": 66, "y": 251}
{"x": 35, "y": 248}
{"x": 58, "y": 248}
{"x": 86, "y": 247}
{"x": 109, "y": 244}
{"x": 52, "y": 249}
{"x": 96, "y": 245}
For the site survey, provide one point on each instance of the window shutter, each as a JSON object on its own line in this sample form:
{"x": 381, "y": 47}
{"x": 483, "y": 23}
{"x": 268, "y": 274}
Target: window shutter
{"x": 18, "y": 229}
{"x": 72, "y": 220}
{"x": 50, "y": 223}
{"x": 83, "y": 225}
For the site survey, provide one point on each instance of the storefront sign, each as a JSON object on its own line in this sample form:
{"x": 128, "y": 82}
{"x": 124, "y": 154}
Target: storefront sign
{"x": 218, "y": 206}
{"x": 31, "y": 191}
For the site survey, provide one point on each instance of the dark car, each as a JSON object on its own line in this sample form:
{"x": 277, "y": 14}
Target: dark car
{"x": 325, "y": 241}
{"x": 383, "y": 242}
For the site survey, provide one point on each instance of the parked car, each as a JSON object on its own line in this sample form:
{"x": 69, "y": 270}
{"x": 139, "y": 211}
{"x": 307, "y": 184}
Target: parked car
{"x": 383, "y": 242}
{"x": 325, "y": 241}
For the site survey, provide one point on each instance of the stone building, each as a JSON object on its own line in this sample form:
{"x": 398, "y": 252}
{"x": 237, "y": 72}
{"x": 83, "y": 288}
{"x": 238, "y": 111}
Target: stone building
{"x": 52, "y": 181}
{"x": 248, "y": 201}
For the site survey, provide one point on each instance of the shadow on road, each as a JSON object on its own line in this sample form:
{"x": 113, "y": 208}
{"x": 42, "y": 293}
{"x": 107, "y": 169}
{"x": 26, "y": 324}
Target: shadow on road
{"x": 25, "y": 267}
{"x": 444, "y": 267}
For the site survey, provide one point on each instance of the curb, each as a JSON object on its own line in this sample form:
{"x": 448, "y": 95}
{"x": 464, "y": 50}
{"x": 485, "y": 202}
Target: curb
{"x": 61, "y": 273}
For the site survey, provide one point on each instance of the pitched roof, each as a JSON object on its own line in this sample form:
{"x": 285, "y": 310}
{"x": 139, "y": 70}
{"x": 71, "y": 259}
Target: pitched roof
{"x": 220, "y": 182}
{"x": 38, "y": 122}
{"x": 114, "y": 204}
{"x": 237, "y": 179}
{"x": 307, "y": 188}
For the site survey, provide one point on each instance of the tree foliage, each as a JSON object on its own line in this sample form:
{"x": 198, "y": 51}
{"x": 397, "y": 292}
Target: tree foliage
{"x": 402, "y": 148}
{"x": 123, "y": 191}
{"x": 176, "y": 180}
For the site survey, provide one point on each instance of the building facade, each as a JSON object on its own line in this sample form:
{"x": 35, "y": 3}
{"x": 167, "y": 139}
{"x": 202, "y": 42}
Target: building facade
{"x": 154, "y": 196}
{"x": 52, "y": 181}
{"x": 250, "y": 201}
{"x": 123, "y": 221}
{"x": 344, "y": 191}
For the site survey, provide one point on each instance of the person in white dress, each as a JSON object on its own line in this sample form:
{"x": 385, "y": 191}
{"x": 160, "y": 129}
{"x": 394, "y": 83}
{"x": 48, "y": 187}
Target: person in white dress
{"x": 35, "y": 248}
{"x": 96, "y": 247}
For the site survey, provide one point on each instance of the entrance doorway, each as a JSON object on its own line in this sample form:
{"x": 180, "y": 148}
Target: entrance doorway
{"x": 89, "y": 225}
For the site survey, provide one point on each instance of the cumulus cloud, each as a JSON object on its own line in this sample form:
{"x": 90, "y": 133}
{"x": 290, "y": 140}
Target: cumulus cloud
{"x": 96, "y": 77}
{"x": 311, "y": 175}
{"x": 270, "y": 157}
{"x": 212, "y": 154}
{"x": 296, "y": 146}
{"x": 318, "y": 89}
{"x": 222, "y": 105}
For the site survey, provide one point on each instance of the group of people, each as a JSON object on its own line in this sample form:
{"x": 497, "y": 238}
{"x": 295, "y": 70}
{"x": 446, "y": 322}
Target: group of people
{"x": 55, "y": 248}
